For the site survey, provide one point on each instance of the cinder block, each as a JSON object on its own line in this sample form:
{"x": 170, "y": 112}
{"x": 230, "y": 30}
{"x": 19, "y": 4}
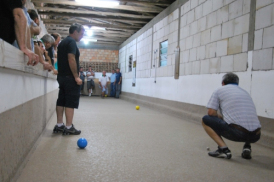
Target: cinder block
{"x": 189, "y": 42}
{"x": 183, "y": 44}
{"x": 182, "y": 69}
{"x": 217, "y": 4}
{"x": 227, "y": 29}
{"x": 221, "y": 48}
{"x": 196, "y": 65}
{"x": 201, "y": 1}
{"x": 245, "y": 42}
{"x": 193, "y": 54}
{"x": 216, "y": 33}
{"x": 235, "y": 45}
{"x": 197, "y": 40}
{"x": 262, "y": 3}
{"x": 222, "y": 15}
{"x": 183, "y": 20}
{"x": 193, "y": 3}
{"x": 201, "y": 24}
{"x": 262, "y": 59}
{"x": 235, "y": 9}
{"x": 175, "y": 36}
{"x": 214, "y": 65}
{"x": 264, "y": 17}
{"x": 268, "y": 37}
{"x": 211, "y": 50}
{"x": 188, "y": 68}
{"x": 165, "y": 21}
{"x": 207, "y": 7}
{"x": 205, "y": 37}
{"x": 193, "y": 28}
{"x": 184, "y": 56}
{"x": 173, "y": 26}
{"x": 227, "y": 64}
{"x": 204, "y": 66}
{"x": 241, "y": 25}
{"x": 246, "y": 6}
{"x": 190, "y": 17}
{"x": 175, "y": 14}
{"x": 166, "y": 30}
{"x": 228, "y": 1}
{"x": 258, "y": 42}
{"x": 186, "y": 7}
{"x": 198, "y": 12}
{"x": 240, "y": 62}
{"x": 211, "y": 19}
{"x": 201, "y": 52}
{"x": 170, "y": 71}
{"x": 184, "y": 32}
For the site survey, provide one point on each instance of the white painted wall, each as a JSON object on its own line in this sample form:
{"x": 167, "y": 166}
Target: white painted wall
{"x": 213, "y": 41}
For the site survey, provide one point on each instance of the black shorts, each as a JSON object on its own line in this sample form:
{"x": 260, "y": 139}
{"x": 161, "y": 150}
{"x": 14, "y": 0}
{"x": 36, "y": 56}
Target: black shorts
{"x": 223, "y": 129}
{"x": 69, "y": 92}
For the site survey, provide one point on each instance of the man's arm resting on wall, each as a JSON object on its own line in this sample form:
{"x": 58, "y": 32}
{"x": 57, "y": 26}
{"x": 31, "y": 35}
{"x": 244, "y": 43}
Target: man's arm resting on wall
{"x": 73, "y": 68}
{"x": 20, "y": 27}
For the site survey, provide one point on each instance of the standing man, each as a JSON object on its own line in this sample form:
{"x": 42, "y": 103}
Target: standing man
{"x": 14, "y": 22}
{"x": 118, "y": 81}
{"x": 103, "y": 84}
{"x": 112, "y": 83}
{"x": 69, "y": 80}
{"x": 90, "y": 82}
{"x": 238, "y": 122}
{"x": 82, "y": 76}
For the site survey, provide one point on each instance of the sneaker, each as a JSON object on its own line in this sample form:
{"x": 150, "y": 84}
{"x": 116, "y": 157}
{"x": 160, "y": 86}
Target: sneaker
{"x": 246, "y": 154}
{"x": 57, "y": 129}
{"x": 221, "y": 153}
{"x": 71, "y": 131}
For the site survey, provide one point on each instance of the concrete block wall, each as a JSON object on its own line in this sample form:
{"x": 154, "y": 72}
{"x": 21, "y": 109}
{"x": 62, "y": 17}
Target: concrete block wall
{"x": 264, "y": 39}
{"x": 213, "y": 36}
{"x": 97, "y": 55}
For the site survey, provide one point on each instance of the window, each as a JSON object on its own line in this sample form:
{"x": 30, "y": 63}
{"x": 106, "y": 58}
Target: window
{"x": 163, "y": 53}
{"x": 130, "y": 64}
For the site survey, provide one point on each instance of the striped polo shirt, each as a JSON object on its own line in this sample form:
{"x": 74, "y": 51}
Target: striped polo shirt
{"x": 236, "y": 106}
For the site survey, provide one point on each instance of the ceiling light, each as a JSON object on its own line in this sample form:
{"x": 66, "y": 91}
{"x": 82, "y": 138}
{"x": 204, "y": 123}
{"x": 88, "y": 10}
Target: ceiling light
{"x": 89, "y": 33}
{"x": 87, "y": 40}
{"x": 98, "y": 3}
{"x": 97, "y": 28}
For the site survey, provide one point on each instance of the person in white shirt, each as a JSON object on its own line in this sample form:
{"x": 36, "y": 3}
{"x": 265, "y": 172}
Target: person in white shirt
{"x": 90, "y": 82}
{"x": 103, "y": 84}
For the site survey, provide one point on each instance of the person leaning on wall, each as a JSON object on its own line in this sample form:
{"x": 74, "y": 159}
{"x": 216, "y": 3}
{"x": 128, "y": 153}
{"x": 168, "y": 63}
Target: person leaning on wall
{"x": 15, "y": 22}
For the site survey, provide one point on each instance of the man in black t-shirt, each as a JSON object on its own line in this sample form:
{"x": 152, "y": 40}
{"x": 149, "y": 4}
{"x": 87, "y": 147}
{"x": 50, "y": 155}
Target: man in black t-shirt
{"x": 69, "y": 80}
{"x": 13, "y": 25}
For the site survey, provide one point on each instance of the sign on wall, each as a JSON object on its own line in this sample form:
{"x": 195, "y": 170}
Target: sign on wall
{"x": 134, "y": 74}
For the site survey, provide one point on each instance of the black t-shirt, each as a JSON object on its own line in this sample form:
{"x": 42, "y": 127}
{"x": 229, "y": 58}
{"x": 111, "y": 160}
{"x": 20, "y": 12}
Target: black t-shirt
{"x": 7, "y": 32}
{"x": 66, "y": 46}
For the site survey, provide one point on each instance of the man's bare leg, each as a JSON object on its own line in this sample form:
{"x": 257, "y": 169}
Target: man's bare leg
{"x": 214, "y": 135}
{"x": 69, "y": 116}
{"x": 59, "y": 112}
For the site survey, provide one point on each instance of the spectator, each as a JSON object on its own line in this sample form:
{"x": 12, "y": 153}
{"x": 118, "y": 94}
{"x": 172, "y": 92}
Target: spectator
{"x": 48, "y": 41}
{"x": 103, "y": 84}
{"x": 34, "y": 26}
{"x": 90, "y": 82}
{"x": 82, "y": 76}
{"x": 118, "y": 81}
{"x": 15, "y": 23}
{"x": 238, "y": 120}
{"x": 112, "y": 83}
{"x": 69, "y": 80}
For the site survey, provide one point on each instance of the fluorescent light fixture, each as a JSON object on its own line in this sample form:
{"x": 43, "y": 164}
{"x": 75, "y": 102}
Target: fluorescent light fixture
{"x": 87, "y": 40}
{"x": 98, "y": 3}
{"x": 89, "y": 33}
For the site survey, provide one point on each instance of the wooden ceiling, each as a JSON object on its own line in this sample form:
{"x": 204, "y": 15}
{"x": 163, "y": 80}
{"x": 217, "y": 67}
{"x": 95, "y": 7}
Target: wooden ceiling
{"x": 120, "y": 22}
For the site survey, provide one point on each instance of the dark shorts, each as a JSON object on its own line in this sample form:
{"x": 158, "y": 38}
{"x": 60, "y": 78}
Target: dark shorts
{"x": 69, "y": 92}
{"x": 229, "y": 132}
{"x": 90, "y": 84}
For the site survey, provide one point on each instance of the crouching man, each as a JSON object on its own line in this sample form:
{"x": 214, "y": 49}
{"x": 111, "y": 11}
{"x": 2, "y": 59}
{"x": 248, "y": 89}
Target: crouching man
{"x": 103, "y": 84}
{"x": 238, "y": 120}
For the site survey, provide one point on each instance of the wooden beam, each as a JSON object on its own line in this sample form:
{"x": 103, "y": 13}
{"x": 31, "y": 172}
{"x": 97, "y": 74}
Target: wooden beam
{"x": 120, "y": 7}
{"x": 59, "y": 22}
{"x": 104, "y": 14}
{"x": 125, "y": 20}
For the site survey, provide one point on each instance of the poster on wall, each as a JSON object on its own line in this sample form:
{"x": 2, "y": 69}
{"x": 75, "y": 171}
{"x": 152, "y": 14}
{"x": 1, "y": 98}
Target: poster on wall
{"x": 134, "y": 74}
